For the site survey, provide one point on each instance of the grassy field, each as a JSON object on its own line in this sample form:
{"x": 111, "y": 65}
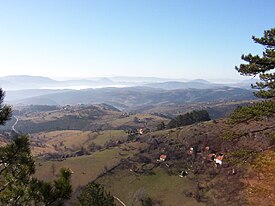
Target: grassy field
{"x": 159, "y": 186}
{"x": 146, "y": 120}
{"x": 107, "y": 135}
{"x": 73, "y": 139}
{"x": 85, "y": 168}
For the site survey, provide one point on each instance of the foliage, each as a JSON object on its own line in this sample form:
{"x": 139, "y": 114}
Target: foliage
{"x": 56, "y": 193}
{"x": 16, "y": 167}
{"x": 189, "y": 118}
{"x": 94, "y": 194}
{"x": 263, "y": 66}
{"x": 5, "y": 110}
{"x": 17, "y": 186}
{"x": 258, "y": 110}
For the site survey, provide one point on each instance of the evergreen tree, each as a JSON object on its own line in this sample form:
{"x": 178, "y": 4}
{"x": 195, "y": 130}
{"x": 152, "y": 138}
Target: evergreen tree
{"x": 16, "y": 169}
{"x": 263, "y": 66}
{"x": 94, "y": 195}
{"x": 17, "y": 186}
{"x": 51, "y": 194}
{"x": 189, "y": 118}
{"x": 5, "y": 111}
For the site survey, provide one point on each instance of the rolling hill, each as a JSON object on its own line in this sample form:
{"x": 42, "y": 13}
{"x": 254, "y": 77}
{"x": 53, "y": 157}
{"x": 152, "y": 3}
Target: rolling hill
{"x": 124, "y": 98}
{"x": 132, "y": 168}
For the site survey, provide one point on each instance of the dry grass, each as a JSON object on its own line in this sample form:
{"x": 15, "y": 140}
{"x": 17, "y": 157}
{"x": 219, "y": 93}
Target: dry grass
{"x": 159, "y": 186}
{"x": 72, "y": 139}
{"x": 130, "y": 120}
{"x": 85, "y": 168}
{"x": 261, "y": 190}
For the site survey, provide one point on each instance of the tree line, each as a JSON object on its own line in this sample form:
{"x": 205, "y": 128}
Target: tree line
{"x": 189, "y": 118}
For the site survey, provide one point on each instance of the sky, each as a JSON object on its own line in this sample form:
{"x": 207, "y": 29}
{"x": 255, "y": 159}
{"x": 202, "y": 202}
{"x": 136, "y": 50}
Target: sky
{"x": 187, "y": 39}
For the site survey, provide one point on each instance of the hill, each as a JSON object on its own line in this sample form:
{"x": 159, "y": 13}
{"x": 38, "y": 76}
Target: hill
{"x": 125, "y": 98}
{"x": 16, "y": 82}
{"x": 100, "y": 117}
{"x": 170, "y": 166}
{"x": 132, "y": 168}
{"x": 15, "y": 95}
{"x": 25, "y": 82}
{"x": 195, "y": 84}
{"x": 243, "y": 146}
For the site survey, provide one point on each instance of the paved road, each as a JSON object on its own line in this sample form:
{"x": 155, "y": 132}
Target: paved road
{"x": 14, "y": 125}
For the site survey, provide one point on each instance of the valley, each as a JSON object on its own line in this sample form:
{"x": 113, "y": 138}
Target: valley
{"x": 104, "y": 144}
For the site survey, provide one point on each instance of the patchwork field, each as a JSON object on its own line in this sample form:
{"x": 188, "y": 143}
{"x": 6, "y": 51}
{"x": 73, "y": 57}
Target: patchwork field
{"x": 64, "y": 140}
{"x": 128, "y": 164}
{"x": 88, "y": 167}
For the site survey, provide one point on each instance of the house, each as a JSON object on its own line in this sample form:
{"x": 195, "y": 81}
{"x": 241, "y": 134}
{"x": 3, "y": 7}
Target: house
{"x": 140, "y": 131}
{"x": 163, "y": 157}
{"x": 207, "y": 148}
{"x": 183, "y": 173}
{"x": 191, "y": 150}
{"x": 219, "y": 159}
{"x": 211, "y": 157}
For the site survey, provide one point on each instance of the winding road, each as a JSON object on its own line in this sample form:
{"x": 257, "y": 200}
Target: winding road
{"x": 14, "y": 125}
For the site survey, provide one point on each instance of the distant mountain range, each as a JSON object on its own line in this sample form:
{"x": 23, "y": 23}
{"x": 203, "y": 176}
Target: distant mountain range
{"x": 36, "y": 82}
{"x": 195, "y": 84}
{"x": 126, "y": 98}
{"x": 26, "y": 90}
{"x": 22, "y": 82}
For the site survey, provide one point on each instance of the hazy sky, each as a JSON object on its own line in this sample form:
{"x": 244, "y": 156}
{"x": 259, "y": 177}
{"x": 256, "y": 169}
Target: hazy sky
{"x": 161, "y": 38}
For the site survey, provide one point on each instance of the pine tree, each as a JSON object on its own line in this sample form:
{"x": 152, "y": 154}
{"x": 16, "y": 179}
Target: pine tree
{"x": 5, "y": 111}
{"x": 16, "y": 169}
{"x": 189, "y": 118}
{"x": 263, "y": 66}
{"x": 17, "y": 186}
{"x": 94, "y": 195}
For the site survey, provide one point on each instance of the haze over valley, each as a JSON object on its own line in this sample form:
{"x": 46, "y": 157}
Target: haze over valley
{"x": 25, "y": 89}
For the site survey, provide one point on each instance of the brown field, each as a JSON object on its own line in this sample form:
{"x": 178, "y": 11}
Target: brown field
{"x": 85, "y": 168}
{"x": 146, "y": 120}
{"x": 72, "y": 139}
